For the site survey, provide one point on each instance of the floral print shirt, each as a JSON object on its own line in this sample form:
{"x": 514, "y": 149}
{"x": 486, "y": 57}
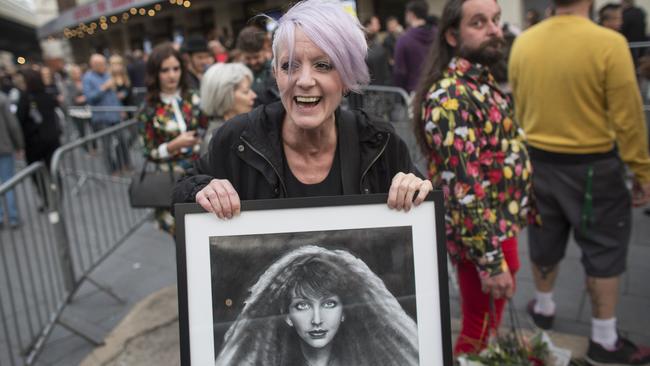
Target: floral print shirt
{"x": 158, "y": 125}
{"x": 478, "y": 158}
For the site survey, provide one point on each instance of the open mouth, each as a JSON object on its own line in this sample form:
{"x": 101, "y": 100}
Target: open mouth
{"x": 307, "y": 102}
{"x": 318, "y": 333}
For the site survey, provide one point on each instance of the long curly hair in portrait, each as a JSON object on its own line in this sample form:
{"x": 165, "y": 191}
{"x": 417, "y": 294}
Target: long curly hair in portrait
{"x": 376, "y": 330}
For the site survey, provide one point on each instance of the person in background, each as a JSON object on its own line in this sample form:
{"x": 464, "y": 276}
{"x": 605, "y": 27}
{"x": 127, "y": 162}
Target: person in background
{"x": 634, "y": 26}
{"x": 11, "y": 145}
{"x": 218, "y": 51}
{"x": 136, "y": 69}
{"x": 611, "y": 16}
{"x": 394, "y": 31}
{"x": 100, "y": 90}
{"x": 477, "y": 155}
{"x": 225, "y": 93}
{"x": 412, "y": 47}
{"x": 76, "y": 98}
{"x": 121, "y": 79}
{"x": 532, "y": 17}
{"x": 37, "y": 116}
{"x": 579, "y": 148}
{"x": 50, "y": 85}
{"x": 170, "y": 123}
{"x": 250, "y": 44}
{"x": 199, "y": 58}
{"x": 377, "y": 59}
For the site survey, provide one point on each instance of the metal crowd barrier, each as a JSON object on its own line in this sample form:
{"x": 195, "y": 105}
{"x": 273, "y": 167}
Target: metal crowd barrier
{"x": 33, "y": 280}
{"x": 391, "y": 104}
{"x": 73, "y": 216}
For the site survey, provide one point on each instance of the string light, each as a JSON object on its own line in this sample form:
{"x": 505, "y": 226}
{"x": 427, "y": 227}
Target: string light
{"x": 187, "y": 3}
{"x": 142, "y": 11}
{"x": 133, "y": 11}
{"x": 157, "y": 7}
{"x": 21, "y": 60}
{"x": 113, "y": 19}
{"x": 151, "y": 12}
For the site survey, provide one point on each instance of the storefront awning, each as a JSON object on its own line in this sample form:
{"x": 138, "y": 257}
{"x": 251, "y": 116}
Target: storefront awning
{"x": 89, "y": 12}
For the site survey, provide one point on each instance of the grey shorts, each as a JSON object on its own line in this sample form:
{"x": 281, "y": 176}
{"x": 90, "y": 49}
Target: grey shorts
{"x": 602, "y": 231}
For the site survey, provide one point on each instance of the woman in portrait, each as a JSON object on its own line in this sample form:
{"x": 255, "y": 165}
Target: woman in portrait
{"x": 320, "y": 307}
{"x": 306, "y": 145}
{"x": 170, "y": 119}
{"x": 225, "y": 92}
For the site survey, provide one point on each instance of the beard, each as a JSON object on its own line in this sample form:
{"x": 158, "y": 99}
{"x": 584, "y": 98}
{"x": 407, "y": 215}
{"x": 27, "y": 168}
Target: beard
{"x": 488, "y": 53}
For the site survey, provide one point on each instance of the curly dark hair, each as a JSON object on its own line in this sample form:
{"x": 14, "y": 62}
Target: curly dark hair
{"x": 260, "y": 335}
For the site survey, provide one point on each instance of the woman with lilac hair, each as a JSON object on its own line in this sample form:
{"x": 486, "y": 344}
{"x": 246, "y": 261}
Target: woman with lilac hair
{"x": 306, "y": 145}
{"x": 316, "y": 306}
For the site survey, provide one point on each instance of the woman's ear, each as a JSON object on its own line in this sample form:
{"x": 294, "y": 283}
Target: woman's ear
{"x": 288, "y": 321}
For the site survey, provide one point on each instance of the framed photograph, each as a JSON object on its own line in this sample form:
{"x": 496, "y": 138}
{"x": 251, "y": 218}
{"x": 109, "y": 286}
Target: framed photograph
{"x": 328, "y": 280}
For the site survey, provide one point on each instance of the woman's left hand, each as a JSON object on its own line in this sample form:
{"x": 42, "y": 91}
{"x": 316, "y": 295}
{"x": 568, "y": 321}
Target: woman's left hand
{"x": 403, "y": 188}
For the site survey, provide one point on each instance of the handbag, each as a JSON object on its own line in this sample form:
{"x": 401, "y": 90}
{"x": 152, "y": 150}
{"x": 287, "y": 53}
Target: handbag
{"x": 153, "y": 189}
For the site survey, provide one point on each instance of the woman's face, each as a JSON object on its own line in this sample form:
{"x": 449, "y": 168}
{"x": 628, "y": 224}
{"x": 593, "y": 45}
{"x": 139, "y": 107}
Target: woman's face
{"x": 169, "y": 75}
{"x": 116, "y": 65}
{"x": 315, "y": 319}
{"x": 315, "y": 89}
{"x": 244, "y": 98}
{"x": 46, "y": 75}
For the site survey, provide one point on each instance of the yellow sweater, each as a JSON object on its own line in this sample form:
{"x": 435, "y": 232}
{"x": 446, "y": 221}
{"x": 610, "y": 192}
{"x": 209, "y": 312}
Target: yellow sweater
{"x": 576, "y": 92}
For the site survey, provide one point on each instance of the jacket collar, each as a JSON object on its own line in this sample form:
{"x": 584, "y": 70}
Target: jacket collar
{"x": 475, "y": 71}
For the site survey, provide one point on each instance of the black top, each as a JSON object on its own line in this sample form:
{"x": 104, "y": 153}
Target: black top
{"x": 330, "y": 186}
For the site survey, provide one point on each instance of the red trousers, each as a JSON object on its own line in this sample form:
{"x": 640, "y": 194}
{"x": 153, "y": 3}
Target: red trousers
{"x": 475, "y": 304}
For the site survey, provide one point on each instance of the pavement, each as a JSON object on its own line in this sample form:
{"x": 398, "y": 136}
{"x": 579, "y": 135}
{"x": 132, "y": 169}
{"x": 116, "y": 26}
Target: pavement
{"x": 144, "y": 329}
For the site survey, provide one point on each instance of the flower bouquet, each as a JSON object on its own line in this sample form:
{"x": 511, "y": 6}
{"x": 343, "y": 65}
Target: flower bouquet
{"x": 514, "y": 349}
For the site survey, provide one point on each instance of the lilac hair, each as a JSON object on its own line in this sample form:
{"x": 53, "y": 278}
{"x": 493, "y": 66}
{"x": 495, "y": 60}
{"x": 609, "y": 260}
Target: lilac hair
{"x": 334, "y": 31}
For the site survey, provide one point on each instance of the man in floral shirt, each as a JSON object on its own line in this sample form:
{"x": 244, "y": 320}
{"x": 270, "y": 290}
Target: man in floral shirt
{"x": 477, "y": 155}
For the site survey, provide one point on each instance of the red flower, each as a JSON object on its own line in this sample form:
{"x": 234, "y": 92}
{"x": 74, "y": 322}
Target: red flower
{"x": 479, "y": 192}
{"x": 500, "y": 157}
{"x": 469, "y": 147}
{"x": 495, "y": 115}
{"x": 485, "y": 158}
{"x": 472, "y": 168}
{"x": 453, "y": 161}
{"x": 458, "y": 144}
{"x": 502, "y": 197}
{"x": 494, "y": 141}
{"x": 495, "y": 176}
{"x": 502, "y": 225}
{"x": 469, "y": 225}
{"x": 460, "y": 190}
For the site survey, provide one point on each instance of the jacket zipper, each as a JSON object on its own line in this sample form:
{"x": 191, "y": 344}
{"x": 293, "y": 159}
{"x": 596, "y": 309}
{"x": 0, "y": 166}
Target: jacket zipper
{"x": 381, "y": 152}
{"x": 268, "y": 161}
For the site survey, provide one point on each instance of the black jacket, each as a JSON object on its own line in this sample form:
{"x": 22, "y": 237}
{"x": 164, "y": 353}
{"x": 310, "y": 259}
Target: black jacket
{"x": 247, "y": 152}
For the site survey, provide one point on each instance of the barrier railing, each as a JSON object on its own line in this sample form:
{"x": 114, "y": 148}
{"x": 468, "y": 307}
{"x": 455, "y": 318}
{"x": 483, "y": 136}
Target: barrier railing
{"x": 33, "y": 283}
{"x": 391, "y": 104}
{"x": 73, "y": 216}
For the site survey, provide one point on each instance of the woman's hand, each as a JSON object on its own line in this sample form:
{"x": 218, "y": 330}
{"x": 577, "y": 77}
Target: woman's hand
{"x": 185, "y": 139}
{"x": 220, "y": 198}
{"x": 403, "y": 188}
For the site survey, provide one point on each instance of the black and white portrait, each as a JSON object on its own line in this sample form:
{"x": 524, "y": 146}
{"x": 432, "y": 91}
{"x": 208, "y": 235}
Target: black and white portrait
{"x": 315, "y": 298}
{"x": 314, "y": 281}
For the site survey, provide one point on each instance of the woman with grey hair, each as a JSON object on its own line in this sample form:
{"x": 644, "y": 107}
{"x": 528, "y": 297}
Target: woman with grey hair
{"x": 225, "y": 92}
{"x": 306, "y": 145}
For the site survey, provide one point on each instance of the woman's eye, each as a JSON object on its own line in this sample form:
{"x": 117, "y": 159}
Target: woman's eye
{"x": 323, "y": 66}
{"x": 285, "y": 66}
{"x": 301, "y": 306}
{"x": 329, "y": 304}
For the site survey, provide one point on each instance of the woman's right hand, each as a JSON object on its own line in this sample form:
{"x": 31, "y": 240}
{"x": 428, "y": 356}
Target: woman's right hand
{"x": 185, "y": 139}
{"x": 220, "y": 198}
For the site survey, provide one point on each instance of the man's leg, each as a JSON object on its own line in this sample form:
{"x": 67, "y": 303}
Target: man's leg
{"x": 477, "y": 320}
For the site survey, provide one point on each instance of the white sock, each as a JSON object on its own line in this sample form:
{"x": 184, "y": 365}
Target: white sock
{"x": 544, "y": 303}
{"x": 603, "y": 331}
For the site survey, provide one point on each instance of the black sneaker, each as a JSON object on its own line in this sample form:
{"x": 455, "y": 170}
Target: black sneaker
{"x": 626, "y": 353}
{"x": 542, "y": 321}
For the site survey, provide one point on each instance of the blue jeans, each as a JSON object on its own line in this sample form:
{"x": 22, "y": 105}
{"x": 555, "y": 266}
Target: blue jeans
{"x": 7, "y": 168}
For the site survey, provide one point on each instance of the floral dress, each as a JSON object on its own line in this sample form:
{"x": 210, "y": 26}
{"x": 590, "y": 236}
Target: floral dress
{"x": 159, "y": 124}
{"x": 479, "y": 159}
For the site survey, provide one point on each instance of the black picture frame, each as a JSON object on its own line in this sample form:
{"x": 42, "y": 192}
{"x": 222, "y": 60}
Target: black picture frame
{"x": 199, "y": 232}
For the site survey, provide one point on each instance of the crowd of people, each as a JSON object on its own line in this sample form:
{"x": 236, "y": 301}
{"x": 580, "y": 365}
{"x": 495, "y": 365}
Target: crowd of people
{"x": 521, "y": 128}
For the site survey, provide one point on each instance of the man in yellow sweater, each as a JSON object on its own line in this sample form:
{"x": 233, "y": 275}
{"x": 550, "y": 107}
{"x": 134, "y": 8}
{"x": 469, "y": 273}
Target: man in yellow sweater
{"x": 577, "y": 99}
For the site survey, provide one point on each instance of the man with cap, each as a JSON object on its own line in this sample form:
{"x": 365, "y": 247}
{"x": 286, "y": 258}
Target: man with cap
{"x": 198, "y": 59}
